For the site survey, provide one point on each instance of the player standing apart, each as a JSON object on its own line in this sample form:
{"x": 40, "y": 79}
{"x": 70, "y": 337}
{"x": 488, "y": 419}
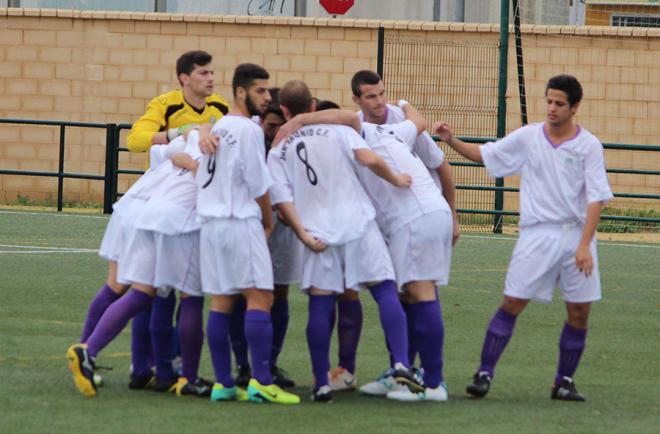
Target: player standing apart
{"x": 563, "y": 189}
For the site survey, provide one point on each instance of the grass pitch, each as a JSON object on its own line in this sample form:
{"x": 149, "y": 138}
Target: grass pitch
{"x": 50, "y": 272}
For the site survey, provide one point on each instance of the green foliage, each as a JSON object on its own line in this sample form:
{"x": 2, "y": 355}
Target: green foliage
{"x": 51, "y": 202}
{"x": 614, "y": 226}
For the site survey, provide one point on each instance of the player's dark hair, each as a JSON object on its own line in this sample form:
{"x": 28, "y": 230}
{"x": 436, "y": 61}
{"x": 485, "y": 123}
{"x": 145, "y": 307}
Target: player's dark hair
{"x": 245, "y": 74}
{"x": 274, "y": 104}
{"x": 185, "y": 64}
{"x": 568, "y": 84}
{"x": 361, "y": 77}
{"x": 296, "y": 97}
{"x": 326, "y": 104}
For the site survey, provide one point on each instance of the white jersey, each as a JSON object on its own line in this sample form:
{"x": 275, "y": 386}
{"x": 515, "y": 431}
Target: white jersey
{"x": 399, "y": 206}
{"x": 171, "y": 208}
{"x": 232, "y": 178}
{"x": 425, "y": 147}
{"x": 315, "y": 168}
{"x": 557, "y": 181}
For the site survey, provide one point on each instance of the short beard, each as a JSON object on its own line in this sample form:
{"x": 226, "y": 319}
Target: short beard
{"x": 251, "y": 108}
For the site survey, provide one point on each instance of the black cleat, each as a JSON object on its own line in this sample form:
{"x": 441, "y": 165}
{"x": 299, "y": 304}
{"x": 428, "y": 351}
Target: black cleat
{"x": 281, "y": 377}
{"x": 407, "y": 377}
{"x": 322, "y": 394}
{"x": 200, "y": 388}
{"x": 166, "y": 386}
{"x": 139, "y": 382}
{"x": 243, "y": 376}
{"x": 566, "y": 391}
{"x": 480, "y": 385}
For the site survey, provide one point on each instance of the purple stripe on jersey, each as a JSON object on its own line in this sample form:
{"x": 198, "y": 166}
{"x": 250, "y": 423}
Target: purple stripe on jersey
{"x": 556, "y": 145}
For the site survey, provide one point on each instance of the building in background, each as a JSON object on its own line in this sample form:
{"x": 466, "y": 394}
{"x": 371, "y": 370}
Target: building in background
{"x": 473, "y": 11}
{"x": 623, "y": 13}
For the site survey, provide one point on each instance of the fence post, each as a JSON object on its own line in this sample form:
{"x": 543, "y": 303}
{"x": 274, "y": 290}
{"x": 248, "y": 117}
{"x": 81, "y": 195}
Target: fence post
{"x": 60, "y": 170}
{"x": 381, "y": 51}
{"x": 110, "y": 172}
{"x": 501, "y": 104}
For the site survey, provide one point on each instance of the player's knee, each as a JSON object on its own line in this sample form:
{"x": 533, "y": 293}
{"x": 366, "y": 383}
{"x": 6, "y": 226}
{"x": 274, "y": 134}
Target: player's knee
{"x": 118, "y": 288}
{"x": 513, "y": 305}
{"x": 578, "y": 314}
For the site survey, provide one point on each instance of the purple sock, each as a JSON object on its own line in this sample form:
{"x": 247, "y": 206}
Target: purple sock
{"x": 410, "y": 322}
{"x": 217, "y": 330}
{"x": 349, "y": 328}
{"x": 115, "y": 318}
{"x": 571, "y": 346}
{"x": 259, "y": 336}
{"x": 498, "y": 335}
{"x": 430, "y": 335}
{"x": 162, "y": 335}
{"x": 141, "y": 354}
{"x": 321, "y": 311}
{"x": 237, "y": 332}
{"x": 104, "y": 298}
{"x": 191, "y": 335}
{"x": 280, "y": 317}
{"x": 392, "y": 319}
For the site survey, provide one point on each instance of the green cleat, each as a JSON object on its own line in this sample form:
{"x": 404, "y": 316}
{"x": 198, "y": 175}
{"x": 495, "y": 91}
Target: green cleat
{"x": 270, "y": 393}
{"x": 222, "y": 393}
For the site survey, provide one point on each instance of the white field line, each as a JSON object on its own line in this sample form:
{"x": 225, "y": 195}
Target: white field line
{"x": 600, "y": 243}
{"x": 56, "y": 214}
{"x": 42, "y": 249}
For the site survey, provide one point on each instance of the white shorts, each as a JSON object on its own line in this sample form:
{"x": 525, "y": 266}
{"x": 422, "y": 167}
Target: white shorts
{"x": 421, "y": 250}
{"x": 162, "y": 261}
{"x": 233, "y": 256}
{"x": 544, "y": 258}
{"x": 286, "y": 252}
{"x": 128, "y": 230}
{"x": 113, "y": 239}
{"x": 363, "y": 260}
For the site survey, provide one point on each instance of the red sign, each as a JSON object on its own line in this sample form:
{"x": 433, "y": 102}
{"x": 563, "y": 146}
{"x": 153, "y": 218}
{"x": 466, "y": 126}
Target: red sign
{"x": 337, "y": 7}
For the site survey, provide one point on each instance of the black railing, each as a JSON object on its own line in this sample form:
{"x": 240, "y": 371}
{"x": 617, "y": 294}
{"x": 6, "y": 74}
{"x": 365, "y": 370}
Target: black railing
{"x": 112, "y": 170}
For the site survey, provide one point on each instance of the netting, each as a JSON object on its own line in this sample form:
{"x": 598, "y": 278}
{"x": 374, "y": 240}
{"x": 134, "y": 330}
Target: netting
{"x": 454, "y": 81}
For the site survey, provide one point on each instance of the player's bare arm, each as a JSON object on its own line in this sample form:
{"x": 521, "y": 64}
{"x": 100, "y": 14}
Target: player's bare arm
{"x": 330, "y": 116}
{"x": 377, "y": 165}
{"x": 208, "y": 143}
{"x": 583, "y": 259}
{"x": 449, "y": 192}
{"x": 266, "y": 213}
{"x": 185, "y": 161}
{"x": 471, "y": 151}
{"x": 291, "y": 216}
{"x": 413, "y": 115}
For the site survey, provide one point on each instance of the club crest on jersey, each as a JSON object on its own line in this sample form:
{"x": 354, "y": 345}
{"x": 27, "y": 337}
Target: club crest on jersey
{"x": 212, "y": 120}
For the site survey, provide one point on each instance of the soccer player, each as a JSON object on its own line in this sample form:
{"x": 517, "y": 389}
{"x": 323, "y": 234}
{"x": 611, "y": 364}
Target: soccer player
{"x": 317, "y": 190}
{"x": 170, "y": 114}
{"x": 165, "y": 251}
{"x": 369, "y": 94}
{"x": 235, "y": 211}
{"x": 286, "y": 254}
{"x": 105, "y": 315}
{"x": 563, "y": 189}
{"x": 167, "y": 116}
{"x": 417, "y": 224}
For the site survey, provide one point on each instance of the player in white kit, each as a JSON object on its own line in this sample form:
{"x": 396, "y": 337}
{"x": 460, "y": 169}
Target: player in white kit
{"x": 317, "y": 190}
{"x": 108, "y": 316}
{"x": 563, "y": 189}
{"x": 234, "y": 208}
{"x": 417, "y": 224}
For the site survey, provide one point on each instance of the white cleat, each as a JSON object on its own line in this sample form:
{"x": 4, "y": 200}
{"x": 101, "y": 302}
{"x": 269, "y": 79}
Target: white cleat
{"x": 384, "y": 384}
{"x": 340, "y": 379}
{"x": 404, "y": 394}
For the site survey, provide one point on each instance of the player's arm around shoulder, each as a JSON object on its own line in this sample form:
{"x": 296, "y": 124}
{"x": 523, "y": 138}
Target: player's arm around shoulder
{"x": 377, "y": 165}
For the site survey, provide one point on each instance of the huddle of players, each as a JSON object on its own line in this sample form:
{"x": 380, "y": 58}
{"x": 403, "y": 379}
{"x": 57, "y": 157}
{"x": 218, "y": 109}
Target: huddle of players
{"x": 360, "y": 197}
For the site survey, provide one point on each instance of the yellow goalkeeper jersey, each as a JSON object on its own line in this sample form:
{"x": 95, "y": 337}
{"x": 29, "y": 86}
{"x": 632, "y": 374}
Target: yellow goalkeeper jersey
{"x": 170, "y": 110}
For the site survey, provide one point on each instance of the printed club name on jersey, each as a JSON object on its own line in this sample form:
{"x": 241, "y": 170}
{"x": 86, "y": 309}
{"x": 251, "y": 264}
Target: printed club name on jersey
{"x": 227, "y": 139}
{"x": 382, "y": 130}
{"x": 303, "y": 132}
